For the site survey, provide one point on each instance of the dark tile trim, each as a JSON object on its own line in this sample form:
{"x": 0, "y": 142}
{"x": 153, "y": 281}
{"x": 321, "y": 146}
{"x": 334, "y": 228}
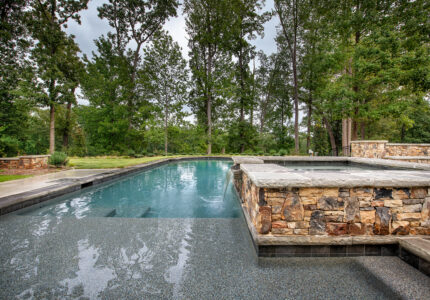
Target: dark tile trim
{"x": 415, "y": 261}
{"x": 327, "y": 250}
{"x": 343, "y": 251}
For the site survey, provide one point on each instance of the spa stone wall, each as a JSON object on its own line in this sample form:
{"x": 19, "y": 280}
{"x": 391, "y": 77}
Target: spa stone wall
{"x": 336, "y": 211}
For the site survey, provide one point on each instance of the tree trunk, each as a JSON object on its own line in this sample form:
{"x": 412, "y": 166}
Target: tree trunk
{"x": 165, "y": 129}
{"x": 363, "y": 130}
{"x": 242, "y": 104}
{"x": 209, "y": 102}
{"x": 331, "y": 135}
{"x": 66, "y": 133}
{"x": 51, "y": 128}
{"x": 308, "y": 138}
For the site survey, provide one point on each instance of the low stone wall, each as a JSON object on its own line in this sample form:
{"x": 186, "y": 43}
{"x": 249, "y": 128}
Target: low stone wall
{"x": 25, "y": 162}
{"x": 368, "y": 149}
{"x": 335, "y": 211}
{"x": 382, "y": 149}
{"x": 407, "y": 149}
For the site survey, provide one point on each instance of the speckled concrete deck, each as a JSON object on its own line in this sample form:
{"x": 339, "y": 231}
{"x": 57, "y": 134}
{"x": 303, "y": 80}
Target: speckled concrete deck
{"x": 114, "y": 258}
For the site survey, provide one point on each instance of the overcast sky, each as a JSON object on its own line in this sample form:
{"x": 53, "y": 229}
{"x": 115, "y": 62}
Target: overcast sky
{"x": 93, "y": 27}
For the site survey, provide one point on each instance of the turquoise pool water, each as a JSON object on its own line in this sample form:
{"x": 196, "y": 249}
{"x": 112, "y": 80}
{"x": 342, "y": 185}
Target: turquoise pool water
{"x": 193, "y": 189}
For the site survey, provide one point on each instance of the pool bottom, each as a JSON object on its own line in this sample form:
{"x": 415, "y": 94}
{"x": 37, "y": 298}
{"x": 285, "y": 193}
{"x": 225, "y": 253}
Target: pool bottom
{"x": 115, "y": 258}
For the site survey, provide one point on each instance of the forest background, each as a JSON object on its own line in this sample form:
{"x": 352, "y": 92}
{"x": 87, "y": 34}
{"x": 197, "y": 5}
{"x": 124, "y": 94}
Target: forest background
{"x": 349, "y": 67}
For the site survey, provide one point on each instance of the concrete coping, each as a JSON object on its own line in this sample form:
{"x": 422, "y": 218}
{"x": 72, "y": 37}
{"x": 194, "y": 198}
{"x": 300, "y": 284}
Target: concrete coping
{"x": 9, "y": 158}
{"x": 369, "y": 141}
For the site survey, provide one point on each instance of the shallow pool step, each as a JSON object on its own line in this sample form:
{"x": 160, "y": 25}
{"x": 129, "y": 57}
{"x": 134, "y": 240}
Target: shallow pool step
{"x": 102, "y": 212}
{"x": 133, "y": 212}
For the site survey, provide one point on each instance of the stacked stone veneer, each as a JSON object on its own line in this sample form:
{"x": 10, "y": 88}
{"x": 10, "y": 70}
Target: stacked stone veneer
{"x": 336, "y": 211}
{"x": 25, "y": 162}
{"x": 383, "y": 149}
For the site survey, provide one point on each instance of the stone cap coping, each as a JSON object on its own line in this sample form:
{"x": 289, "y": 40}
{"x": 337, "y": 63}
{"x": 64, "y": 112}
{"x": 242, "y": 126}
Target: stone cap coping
{"x": 238, "y": 160}
{"x": 309, "y": 240}
{"x": 408, "y": 157}
{"x": 418, "y": 246}
{"x": 390, "y": 163}
{"x": 408, "y": 144}
{"x": 369, "y": 141}
{"x": 24, "y": 156}
{"x": 305, "y": 158}
{"x": 275, "y": 176}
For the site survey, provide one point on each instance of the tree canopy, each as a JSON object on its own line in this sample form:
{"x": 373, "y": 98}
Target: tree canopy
{"x": 342, "y": 70}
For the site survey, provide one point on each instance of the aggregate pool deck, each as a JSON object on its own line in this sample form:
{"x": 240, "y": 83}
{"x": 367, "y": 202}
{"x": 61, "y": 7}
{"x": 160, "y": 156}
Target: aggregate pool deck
{"x": 114, "y": 258}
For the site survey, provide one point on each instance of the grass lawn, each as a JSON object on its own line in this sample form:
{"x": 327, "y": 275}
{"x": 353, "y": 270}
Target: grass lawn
{"x": 12, "y": 177}
{"x": 107, "y": 162}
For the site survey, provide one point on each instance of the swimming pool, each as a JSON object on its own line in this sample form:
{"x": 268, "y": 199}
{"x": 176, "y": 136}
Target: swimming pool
{"x": 190, "y": 189}
{"x": 55, "y": 252}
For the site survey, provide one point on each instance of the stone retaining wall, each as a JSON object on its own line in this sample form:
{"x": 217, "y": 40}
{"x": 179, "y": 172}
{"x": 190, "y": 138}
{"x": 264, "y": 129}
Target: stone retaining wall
{"x": 336, "y": 211}
{"x": 25, "y": 162}
{"x": 407, "y": 149}
{"x": 368, "y": 149}
{"x": 382, "y": 149}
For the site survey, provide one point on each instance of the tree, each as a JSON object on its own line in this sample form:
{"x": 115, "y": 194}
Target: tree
{"x": 246, "y": 25}
{"x": 134, "y": 23}
{"x": 14, "y": 44}
{"x": 166, "y": 77}
{"x": 207, "y": 23}
{"x": 51, "y": 49}
{"x": 291, "y": 18}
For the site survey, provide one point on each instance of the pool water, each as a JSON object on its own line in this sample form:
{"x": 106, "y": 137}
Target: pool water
{"x": 194, "y": 189}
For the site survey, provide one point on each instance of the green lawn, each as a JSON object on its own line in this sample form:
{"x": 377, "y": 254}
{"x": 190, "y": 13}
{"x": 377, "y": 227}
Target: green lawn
{"x": 109, "y": 162}
{"x": 12, "y": 177}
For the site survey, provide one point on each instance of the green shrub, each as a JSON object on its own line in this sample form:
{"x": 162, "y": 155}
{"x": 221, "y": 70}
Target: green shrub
{"x": 58, "y": 159}
{"x": 283, "y": 152}
{"x": 131, "y": 153}
{"x": 272, "y": 152}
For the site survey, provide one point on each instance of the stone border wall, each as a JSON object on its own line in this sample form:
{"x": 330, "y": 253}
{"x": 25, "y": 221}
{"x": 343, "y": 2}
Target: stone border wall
{"x": 407, "y": 149}
{"x": 382, "y": 149}
{"x": 25, "y": 162}
{"x": 336, "y": 211}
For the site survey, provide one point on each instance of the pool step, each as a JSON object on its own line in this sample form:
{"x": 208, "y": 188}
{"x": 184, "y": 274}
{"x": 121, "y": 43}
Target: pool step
{"x": 133, "y": 212}
{"x": 102, "y": 212}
